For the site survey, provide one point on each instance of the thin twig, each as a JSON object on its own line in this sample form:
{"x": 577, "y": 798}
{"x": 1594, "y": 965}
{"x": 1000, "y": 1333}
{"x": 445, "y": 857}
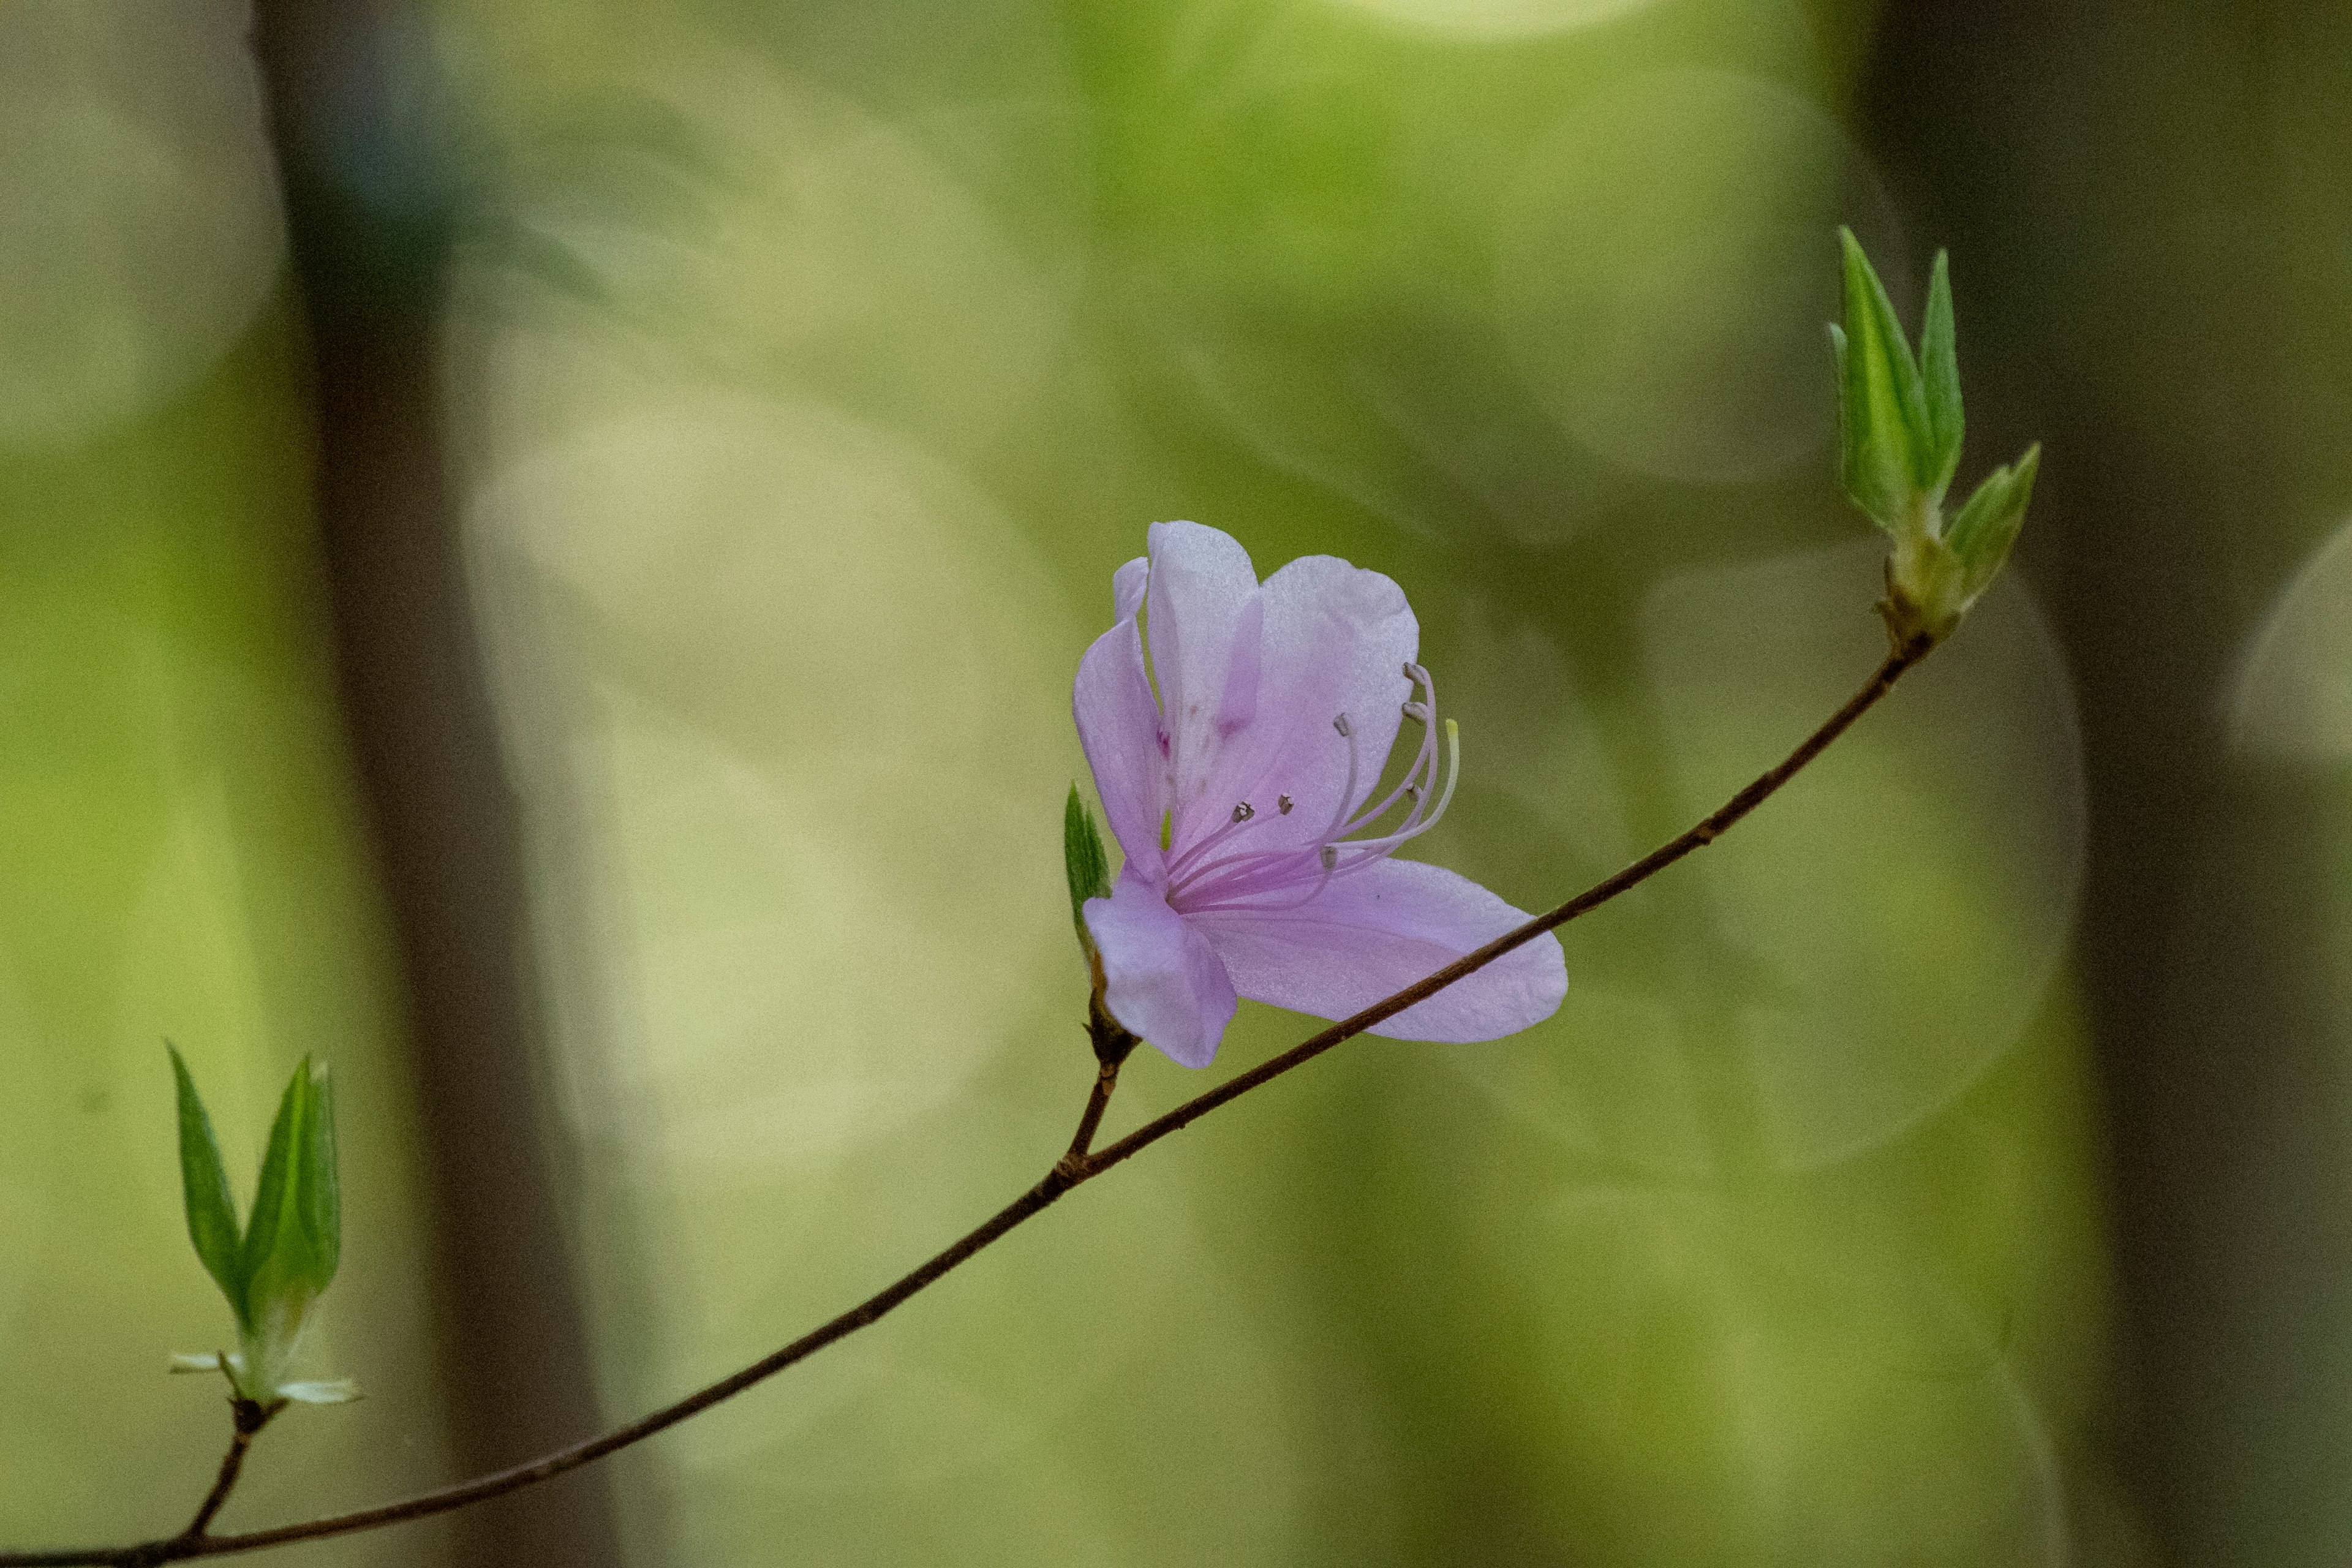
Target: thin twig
{"x": 1697, "y": 837}
{"x": 248, "y": 1417}
{"x": 1083, "y": 1141}
{"x": 1079, "y": 1166}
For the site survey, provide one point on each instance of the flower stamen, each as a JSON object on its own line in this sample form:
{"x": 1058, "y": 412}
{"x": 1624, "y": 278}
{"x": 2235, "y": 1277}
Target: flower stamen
{"x": 1347, "y": 790}
{"x": 1425, "y": 761}
{"x": 1189, "y": 871}
{"x": 1230, "y": 881}
{"x": 1388, "y": 843}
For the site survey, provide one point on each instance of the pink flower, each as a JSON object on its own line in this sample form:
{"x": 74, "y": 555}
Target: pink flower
{"x": 1257, "y": 862}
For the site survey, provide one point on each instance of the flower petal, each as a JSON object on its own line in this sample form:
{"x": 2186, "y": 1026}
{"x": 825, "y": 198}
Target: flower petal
{"x": 1336, "y": 640}
{"x": 1126, "y": 586}
{"x": 1162, "y": 981}
{"x": 1202, "y": 590}
{"x": 1119, "y": 725}
{"x": 1377, "y": 929}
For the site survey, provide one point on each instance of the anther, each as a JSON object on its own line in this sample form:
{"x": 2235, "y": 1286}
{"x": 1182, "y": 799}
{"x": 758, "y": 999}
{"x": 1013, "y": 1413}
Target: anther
{"x": 1340, "y": 724}
{"x": 1416, "y": 710}
{"x": 1282, "y": 806}
{"x": 1330, "y": 855}
{"x": 1412, "y": 671}
{"x": 1243, "y": 812}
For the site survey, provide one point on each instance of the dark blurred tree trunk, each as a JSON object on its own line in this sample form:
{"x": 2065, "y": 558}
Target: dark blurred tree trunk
{"x": 2108, "y": 178}
{"x": 371, "y": 179}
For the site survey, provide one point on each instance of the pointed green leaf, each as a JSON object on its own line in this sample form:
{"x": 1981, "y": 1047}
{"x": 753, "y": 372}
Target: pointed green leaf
{"x": 1084, "y": 861}
{"x": 294, "y": 1240}
{"x": 1883, "y": 422}
{"x": 204, "y": 1181}
{"x": 283, "y": 1254}
{"x": 319, "y": 1194}
{"x": 1846, "y": 419}
{"x": 1982, "y": 535}
{"x": 269, "y": 1195}
{"x": 1940, "y": 374}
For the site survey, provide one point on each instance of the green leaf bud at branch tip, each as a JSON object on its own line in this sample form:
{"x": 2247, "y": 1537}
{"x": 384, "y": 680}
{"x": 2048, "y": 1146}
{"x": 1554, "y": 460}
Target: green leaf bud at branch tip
{"x": 1900, "y": 430}
{"x": 276, "y": 1266}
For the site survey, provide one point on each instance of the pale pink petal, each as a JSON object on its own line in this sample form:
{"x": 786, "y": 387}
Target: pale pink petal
{"x": 1126, "y": 586}
{"x": 1374, "y": 930}
{"x": 1202, "y": 590}
{"x": 1335, "y": 640}
{"x": 1119, "y": 725}
{"x": 1162, "y": 981}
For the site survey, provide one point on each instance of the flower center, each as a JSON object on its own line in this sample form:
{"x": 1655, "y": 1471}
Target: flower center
{"x": 1221, "y": 872}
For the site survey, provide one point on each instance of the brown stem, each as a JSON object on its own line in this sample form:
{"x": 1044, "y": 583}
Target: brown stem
{"x": 1083, "y": 1141}
{"x": 248, "y": 1417}
{"x": 1079, "y": 1166}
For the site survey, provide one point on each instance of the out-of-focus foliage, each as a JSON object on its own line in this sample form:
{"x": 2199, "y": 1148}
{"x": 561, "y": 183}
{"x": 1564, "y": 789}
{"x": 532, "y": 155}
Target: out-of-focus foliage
{"x": 182, "y": 860}
{"x": 178, "y": 853}
{"x": 809, "y": 370}
{"x": 821, "y": 374}
{"x": 139, "y": 224}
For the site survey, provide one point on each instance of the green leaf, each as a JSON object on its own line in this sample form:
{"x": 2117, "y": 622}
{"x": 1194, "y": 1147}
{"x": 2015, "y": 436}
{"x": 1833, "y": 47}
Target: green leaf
{"x": 1885, "y": 442}
{"x": 1939, "y": 373}
{"x": 321, "y": 1190}
{"x": 1988, "y": 526}
{"x": 1084, "y": 861}
{"x": 293, "y": 1243}
{"x": 269, "y": 1195}
{"x": 204, "y": 1181}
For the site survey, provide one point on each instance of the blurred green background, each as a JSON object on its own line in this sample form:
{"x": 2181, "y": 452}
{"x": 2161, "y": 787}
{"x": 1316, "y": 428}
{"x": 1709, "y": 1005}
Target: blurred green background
{"x": 542, "y": 549}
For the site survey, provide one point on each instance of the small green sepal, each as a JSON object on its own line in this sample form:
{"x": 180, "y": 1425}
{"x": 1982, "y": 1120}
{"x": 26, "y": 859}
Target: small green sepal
{"x": 1086, "y": 861}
